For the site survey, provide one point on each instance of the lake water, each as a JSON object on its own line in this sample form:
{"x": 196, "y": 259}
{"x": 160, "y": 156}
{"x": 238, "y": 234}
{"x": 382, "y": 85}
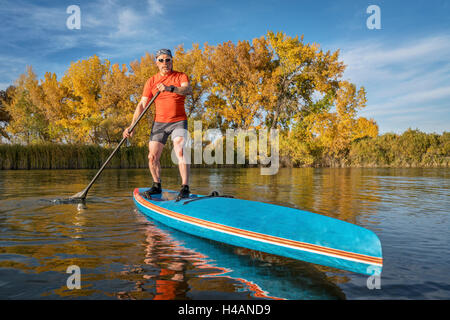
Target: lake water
{"x": 124, "y": 255}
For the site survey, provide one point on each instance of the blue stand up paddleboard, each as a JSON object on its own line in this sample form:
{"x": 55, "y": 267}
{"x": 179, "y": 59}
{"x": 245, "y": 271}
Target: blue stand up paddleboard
{"x": 269, "y": 228}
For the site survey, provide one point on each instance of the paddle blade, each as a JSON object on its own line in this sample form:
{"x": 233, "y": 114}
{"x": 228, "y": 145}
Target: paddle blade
{"x": 80, "y": 196}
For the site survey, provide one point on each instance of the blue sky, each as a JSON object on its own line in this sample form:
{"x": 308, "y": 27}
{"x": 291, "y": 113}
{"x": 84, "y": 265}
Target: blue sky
{"x": 404, "y": 66}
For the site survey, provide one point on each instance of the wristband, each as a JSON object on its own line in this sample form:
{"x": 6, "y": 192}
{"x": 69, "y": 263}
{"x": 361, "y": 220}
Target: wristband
{"x": 172, "y": 88}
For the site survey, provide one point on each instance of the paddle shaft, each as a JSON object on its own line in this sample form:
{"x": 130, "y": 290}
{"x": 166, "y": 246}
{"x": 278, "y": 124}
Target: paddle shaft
{"x": 82, "y": 194}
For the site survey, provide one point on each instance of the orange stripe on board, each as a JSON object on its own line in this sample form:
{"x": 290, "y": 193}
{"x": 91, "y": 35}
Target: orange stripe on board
{"x": 261, "y": 237}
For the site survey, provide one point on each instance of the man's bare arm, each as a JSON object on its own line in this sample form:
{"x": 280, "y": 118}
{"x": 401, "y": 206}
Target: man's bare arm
{"x": 139, "y": 109}
{"x": 184, "y": 89}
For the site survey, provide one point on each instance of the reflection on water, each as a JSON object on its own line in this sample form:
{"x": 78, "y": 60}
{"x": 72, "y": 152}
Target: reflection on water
{"x": 123, "y": 255}
{"x": 206, "y": 266}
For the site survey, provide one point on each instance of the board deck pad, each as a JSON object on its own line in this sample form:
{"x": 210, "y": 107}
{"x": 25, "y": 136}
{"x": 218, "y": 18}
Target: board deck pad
{"x": 269, "y": 228}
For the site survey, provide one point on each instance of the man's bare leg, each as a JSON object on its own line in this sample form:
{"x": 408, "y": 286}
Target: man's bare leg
{"x": 183, "y": 166}
{"x": 155, "y": 149}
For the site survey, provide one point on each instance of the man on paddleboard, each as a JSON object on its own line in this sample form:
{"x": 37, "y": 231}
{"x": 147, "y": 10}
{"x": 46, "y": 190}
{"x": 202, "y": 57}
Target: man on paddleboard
{"x": 170, "y": 119}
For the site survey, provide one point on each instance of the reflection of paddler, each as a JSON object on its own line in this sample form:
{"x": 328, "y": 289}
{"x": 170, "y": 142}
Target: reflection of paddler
{"x": 166, "y": 289}
{"x": 170, "y": 279}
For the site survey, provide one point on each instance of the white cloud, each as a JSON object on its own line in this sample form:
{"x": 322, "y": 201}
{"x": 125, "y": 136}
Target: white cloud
{"x": 128, "y": 24}
{"x": 4, "y": 85}
{"x": 411, "y": 100}
{"x": 409, "y": 79}
{"x": 368, "y": 60}
{"x": 155, "y": 7}
{"x": 382, "y": 53}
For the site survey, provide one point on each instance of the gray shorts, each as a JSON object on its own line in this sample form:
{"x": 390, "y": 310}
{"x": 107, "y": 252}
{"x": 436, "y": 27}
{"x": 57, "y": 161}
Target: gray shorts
{"x": 162, "y": 130}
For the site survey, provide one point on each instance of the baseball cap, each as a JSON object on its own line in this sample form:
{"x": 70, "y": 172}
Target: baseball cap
{"x": 163, "y": 51}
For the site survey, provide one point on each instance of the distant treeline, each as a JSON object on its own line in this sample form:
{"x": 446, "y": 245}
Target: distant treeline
{"x": 410, "y": 149}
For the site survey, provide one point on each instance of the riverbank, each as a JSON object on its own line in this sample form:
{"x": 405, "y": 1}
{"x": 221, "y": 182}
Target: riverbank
{"x": 385, "y": 151}
{"x": 70, "y": 156}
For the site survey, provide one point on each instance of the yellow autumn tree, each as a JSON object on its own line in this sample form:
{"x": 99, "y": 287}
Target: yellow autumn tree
{"x": 364, "y": 128}
{"x": 28, "y": 123}
{"x": 237, "y": 74}
{"x": 6, "y": 97}
{"x": 84, "y": 80}
{"x": 193, "y": 63}
{"x": 140, "y": 71}
{"x": 305, "y": 80}
{"x": 335, "y": 130}
{"x": 54, "y": 107}
{"x": 302, "y": 72}
{"x": 299, "y": 145}
{"x": 117, "y": 104}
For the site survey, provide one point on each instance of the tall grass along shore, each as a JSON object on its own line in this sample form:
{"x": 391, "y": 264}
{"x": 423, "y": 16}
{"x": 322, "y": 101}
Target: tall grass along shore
{"x": 410, "y": 149}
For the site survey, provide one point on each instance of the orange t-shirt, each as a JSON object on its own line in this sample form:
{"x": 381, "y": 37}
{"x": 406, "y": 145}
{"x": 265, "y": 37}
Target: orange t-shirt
{"x": 169, "y": 105}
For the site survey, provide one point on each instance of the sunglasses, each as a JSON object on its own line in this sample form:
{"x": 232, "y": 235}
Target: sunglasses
{"x": 165, "y": 60}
